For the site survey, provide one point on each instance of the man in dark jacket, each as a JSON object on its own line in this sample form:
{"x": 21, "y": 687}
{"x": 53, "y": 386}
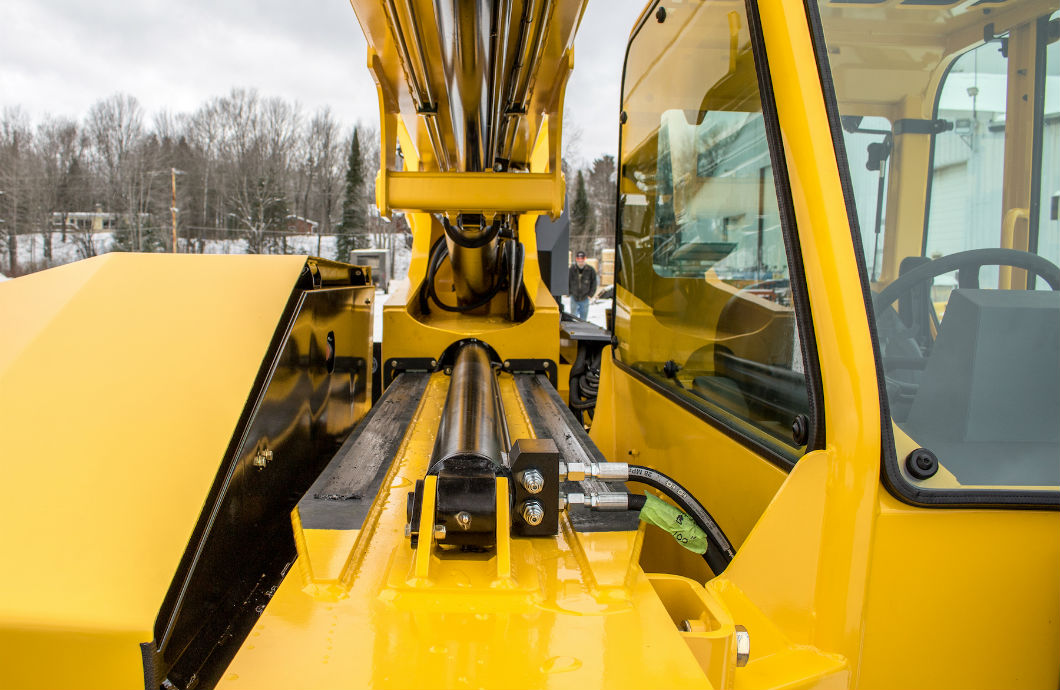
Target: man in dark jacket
{"x": 582, "y": 286}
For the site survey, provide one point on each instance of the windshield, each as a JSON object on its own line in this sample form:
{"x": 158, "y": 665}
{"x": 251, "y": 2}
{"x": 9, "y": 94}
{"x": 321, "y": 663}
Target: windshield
{"x": 950, "y": 117}
{"x": 705, "y": 303}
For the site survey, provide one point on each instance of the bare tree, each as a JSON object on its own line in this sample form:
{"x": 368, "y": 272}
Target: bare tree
{"x": 55, "y": 145}
{"x": 115, "y": 126}
{"x": 325, "y": 147}
{"x": 204, "y": 131}
{"x": 601, "y": 190}
{"x": 115, "y": 129}
{"x": 260, "y": 138}
{"x": 15, "y": 154}
{"x": 249, "y": 163}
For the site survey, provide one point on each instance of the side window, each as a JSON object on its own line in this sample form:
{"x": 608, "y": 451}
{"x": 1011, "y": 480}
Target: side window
{"x": 705, "y": 303}
{"x": 1045, "y": 238}
{"x": 965, "y": 206}
{"x": 963, "y": 150}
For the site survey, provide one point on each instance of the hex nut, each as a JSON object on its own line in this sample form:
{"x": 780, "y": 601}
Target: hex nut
{"x": 575, "y": 471}
{"x": 262, "y": 458}
{"x": 532, "y": 480}
{"x": 533, "y": 513}
{"x": 743, "y": 646}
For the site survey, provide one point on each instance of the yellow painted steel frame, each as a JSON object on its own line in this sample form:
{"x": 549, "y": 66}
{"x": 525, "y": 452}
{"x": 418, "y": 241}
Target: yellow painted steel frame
{"x": 406, "y": 333}
{"x": 364, "y": 609}
{"x": 840, "y": 584}
{"x": 427, "y": 185}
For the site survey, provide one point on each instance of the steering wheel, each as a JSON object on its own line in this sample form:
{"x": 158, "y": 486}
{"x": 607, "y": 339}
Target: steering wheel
{"x": 967, "y": 265}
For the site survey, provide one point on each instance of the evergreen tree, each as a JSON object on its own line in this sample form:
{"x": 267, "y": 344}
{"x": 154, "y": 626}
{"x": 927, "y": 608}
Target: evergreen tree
{"x": 353, "y": 226}
{"x": 581, "y": 214}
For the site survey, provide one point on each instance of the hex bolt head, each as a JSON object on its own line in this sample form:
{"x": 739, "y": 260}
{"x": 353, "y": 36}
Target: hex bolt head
{"x": 262, "y": 458}
{"x": 532, "y": 481}
{"x": 575, "y": 471}
{"x": 743, "y": 645}
{"x": 439, "y": 532}
{"x": 533, "y": 513}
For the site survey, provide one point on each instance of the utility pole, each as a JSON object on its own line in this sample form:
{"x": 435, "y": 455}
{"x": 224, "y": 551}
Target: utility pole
{"x": 173, "y": 172}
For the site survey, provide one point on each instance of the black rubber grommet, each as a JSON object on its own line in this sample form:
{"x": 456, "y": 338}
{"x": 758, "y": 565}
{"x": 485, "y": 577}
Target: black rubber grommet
{"x": 922, "y": 464}
{"x": 800, "y": 430}
{"x": 660, "y": 15}
{"x": 670, "y": 369}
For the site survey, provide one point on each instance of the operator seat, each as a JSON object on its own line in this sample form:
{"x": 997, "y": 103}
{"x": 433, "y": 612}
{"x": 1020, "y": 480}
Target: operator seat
{"x": 988, "y": 403}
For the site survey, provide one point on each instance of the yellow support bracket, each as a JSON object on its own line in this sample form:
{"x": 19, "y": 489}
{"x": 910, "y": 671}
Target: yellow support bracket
{"x": 421, "y": 566}
{"x": 504, "y": 535}
{"x": 456, "y": 192}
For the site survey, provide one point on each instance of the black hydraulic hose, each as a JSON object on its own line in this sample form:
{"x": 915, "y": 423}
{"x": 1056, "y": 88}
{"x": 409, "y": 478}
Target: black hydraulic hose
{"x": 515, "y": 279}
{"x": 458, "y": 236}
{"x": 434, "y": 260}
{"x": 636, "y": 501}
{"x": 438, "y": 254}
{"x": 719, "y": 552}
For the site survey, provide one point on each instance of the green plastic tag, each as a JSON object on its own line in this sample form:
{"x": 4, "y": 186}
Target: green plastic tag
{"x": 681, "y": 526}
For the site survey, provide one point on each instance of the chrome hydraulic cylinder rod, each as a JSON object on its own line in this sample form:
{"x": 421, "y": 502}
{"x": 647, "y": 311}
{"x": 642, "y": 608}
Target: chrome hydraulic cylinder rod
{"x": 472, "y": 422}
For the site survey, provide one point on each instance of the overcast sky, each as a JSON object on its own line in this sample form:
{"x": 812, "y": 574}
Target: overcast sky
{"x": 60, "y": 56}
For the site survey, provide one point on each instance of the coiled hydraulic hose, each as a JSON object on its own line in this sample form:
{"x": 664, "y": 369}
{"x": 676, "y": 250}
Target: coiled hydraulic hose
{"x": 720, "y": 552}
{"x": 438, "y": 254}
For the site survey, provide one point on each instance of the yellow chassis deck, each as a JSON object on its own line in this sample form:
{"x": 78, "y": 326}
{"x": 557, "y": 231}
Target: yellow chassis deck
{"x": 575, "y": 611}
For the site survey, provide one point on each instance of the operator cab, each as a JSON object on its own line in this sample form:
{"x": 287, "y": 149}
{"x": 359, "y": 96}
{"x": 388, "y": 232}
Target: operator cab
{"x": 952, "y": 154}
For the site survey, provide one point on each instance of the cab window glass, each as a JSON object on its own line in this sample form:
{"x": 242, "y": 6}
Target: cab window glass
{"x": 869, "y": 142}
{"x": 964, "y": 208}
{"x": 950, "y": 117}
{"x": 1046, "y": 240}
{"x": 704, "y": 303}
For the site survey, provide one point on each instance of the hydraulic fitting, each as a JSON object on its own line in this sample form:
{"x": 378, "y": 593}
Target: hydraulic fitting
{"x": 596, "y": 501}
{"x": 605, "y": 471}
{"x": 572, "y": 471}
{"x": 610, "y": 471}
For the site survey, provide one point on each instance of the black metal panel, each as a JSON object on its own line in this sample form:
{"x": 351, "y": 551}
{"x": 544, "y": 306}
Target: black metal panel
{"x": 553, "y": 247}
{"x": 532, "y": 366}
{"x": 396, "y": 366}
{"x": 312, "y": 387}
{"x": 583, "y": 331}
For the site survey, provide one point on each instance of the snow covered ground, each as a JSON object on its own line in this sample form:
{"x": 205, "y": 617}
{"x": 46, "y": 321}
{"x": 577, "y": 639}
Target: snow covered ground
{"x": 31, "y": 254}
{"x": 598, "y": 312}
{"x": 31, "y": 249}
